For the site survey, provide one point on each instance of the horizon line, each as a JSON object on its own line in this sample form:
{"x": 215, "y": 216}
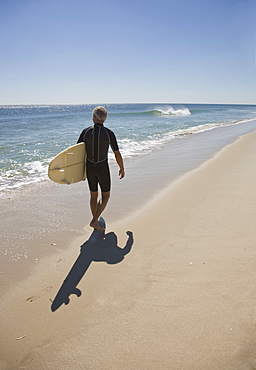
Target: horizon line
{"x": 108, "y": 103}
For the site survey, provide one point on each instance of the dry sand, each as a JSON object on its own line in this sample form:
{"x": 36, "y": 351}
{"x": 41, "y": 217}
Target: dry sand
{"x": 180, "y": 296}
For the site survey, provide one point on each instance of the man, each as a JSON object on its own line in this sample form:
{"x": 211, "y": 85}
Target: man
{"x": 97, "y": 140}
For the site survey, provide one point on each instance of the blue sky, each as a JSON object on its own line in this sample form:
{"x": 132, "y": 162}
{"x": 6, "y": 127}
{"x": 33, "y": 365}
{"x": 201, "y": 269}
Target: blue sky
{"x": 118, "y": 51}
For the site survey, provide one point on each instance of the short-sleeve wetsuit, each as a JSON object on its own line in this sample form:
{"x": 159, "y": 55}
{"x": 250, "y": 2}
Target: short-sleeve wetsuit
{"x": 97, "y": 140}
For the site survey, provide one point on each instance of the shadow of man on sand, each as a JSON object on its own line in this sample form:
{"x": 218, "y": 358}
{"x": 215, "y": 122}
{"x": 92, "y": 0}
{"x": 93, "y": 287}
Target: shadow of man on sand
{"x": 100, "y": 247}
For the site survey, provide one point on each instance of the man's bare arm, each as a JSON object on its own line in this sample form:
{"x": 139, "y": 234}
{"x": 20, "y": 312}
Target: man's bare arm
{"x": 119, "y": 160}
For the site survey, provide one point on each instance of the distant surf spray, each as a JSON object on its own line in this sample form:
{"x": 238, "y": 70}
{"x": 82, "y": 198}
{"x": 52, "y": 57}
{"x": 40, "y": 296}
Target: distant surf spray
{"x": 170, "y": 111}
{"x": 158, "y": 111}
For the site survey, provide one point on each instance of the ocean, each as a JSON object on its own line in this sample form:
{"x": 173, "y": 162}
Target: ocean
{"x": 32, "y": 135}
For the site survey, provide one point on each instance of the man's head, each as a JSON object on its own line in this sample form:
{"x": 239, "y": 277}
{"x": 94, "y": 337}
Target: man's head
{"x": 99, "y": 114}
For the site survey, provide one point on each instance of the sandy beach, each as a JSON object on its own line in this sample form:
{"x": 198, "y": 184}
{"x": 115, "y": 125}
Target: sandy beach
{"x": 170, "y": 286}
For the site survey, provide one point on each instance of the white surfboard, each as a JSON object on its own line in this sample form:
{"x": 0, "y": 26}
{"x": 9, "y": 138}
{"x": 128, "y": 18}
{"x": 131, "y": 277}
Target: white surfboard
{"x": 68, "y": 166}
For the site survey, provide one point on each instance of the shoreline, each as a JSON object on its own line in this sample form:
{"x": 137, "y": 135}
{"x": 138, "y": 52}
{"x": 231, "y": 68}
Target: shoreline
{"x": 45, "y": 218}
{"x": 183, "y": 297}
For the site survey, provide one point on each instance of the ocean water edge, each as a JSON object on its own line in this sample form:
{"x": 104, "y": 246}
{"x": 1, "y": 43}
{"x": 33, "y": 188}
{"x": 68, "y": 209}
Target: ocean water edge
{"x": 32, "y": 135}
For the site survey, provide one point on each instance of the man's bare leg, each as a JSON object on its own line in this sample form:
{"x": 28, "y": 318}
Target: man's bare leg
{"x": 97, "y": 211}
{"x": 94, "y": 201}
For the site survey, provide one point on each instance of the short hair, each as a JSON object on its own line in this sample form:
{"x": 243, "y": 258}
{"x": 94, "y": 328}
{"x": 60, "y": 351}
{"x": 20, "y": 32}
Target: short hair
{"x": 100, "y": 113}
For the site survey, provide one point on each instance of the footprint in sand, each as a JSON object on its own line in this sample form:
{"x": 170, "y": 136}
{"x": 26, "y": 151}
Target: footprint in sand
{"x": 43, "y": 292}
{"x": 58, "y": 263}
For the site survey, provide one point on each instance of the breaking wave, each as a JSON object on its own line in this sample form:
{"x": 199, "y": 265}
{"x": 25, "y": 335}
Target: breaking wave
{"x": 168, "y": 111}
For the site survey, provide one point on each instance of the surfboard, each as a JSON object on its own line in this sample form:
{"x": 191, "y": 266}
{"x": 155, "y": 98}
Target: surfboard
{"x": 68, "y": 166}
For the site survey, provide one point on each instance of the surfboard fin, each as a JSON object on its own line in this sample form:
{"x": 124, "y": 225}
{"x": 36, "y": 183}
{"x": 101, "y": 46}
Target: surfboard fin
{"x": 58, "y": 169}
{"x": 66, "y": 182}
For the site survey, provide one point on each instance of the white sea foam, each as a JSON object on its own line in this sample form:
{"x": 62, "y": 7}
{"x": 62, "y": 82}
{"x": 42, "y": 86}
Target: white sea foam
{"x": 131, "y": 148}
{"x": 170, "y": 111}
{"x": 36, "y": 168}
{"x": 23, "y": 175}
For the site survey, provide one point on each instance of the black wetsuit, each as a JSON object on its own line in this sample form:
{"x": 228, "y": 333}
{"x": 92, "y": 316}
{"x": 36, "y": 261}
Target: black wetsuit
{"x": 97, "y": 140}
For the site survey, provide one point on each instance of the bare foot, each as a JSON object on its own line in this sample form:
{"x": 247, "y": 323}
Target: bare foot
{"x": 96, "y": 225}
